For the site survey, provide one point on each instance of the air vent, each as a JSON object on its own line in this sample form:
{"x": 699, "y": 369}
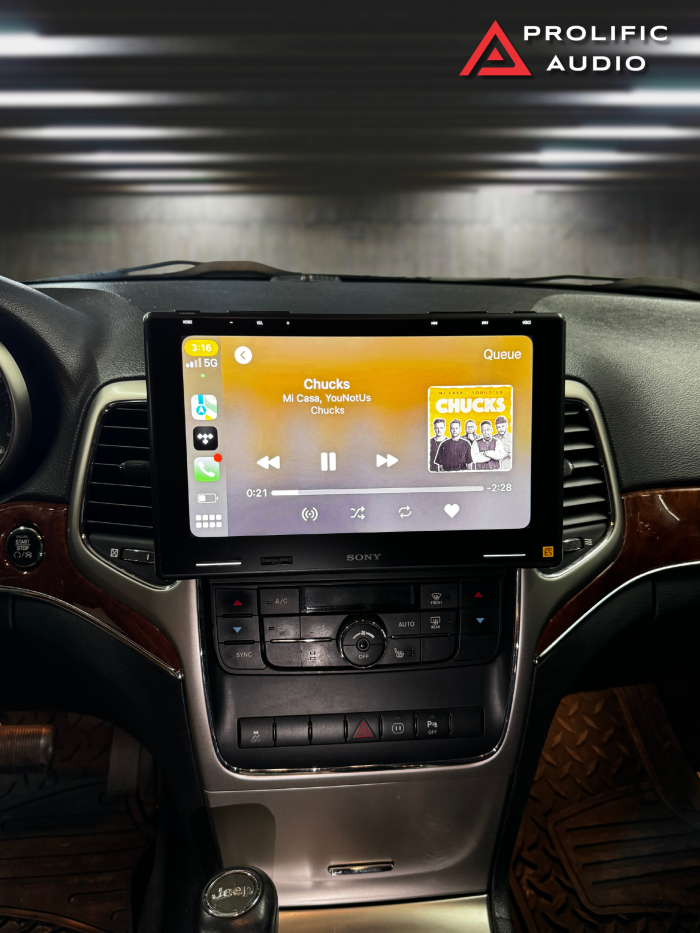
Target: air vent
{"x": 587, "y": 507}
{"x": 118, "y": 500}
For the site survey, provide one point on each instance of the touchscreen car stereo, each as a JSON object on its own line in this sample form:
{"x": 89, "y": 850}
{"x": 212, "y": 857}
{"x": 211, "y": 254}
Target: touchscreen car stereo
{"x": 313, "y": 443}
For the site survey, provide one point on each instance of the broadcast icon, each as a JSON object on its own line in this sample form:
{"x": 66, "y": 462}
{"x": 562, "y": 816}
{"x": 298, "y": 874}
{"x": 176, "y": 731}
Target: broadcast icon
{"x": 309, "y": 515}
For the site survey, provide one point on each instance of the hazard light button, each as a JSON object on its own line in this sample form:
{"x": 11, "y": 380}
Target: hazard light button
{"x": 236, "y": 602}
{"x": 481, "y": 592}
{"x": 363, "y": 727}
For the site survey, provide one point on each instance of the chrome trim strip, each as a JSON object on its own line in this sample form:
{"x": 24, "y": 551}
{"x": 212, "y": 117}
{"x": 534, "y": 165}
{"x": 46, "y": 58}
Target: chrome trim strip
{"x": 622, "y": 586}
{"x": 33, "y": 594}
{"x": 230, "y": 563}
{"x": 21, "y": 410}
{"x": 578, "y": 392}
{"x": 451, "y": 915}
{"x": 360, "y": 868}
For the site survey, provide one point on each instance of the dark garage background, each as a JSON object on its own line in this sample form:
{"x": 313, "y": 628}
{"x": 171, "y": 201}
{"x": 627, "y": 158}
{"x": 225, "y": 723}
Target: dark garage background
{"x": 328, "y": 138}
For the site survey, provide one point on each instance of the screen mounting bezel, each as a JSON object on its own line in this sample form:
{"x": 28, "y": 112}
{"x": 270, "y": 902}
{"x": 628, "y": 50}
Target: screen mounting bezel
{"x": 180, "y": 554}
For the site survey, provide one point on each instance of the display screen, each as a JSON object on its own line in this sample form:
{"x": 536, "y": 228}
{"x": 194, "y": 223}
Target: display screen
{"x": 296, "y": 442}
{"x": 328, "y": 435}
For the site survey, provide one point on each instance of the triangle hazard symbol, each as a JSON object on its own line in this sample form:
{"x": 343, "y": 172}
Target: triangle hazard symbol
{"x": 363, "y": 731}
{"x": 495, "y": 56}
{"x": 519, "y": 68}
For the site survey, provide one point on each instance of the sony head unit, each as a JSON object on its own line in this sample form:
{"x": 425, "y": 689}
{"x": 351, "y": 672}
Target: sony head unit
{"x": 320, "y": 443}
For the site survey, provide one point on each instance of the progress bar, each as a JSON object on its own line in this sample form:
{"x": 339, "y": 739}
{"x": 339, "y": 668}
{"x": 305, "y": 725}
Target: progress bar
{"x": 375, "y": 491}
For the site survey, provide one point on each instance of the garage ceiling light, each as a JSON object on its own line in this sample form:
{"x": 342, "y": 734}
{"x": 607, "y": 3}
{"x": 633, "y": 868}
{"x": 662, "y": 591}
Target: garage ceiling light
{"x": 99, "y": 99}
{"x": 51, "y": 133}
{"x": 134, "y": 158}
{"x": 549, "y": 175}
{"x": 586, "y": 156}
{"x": 637, "y": 97}
{"x": 596, "y": 132}
{"x": 148, "y": 174}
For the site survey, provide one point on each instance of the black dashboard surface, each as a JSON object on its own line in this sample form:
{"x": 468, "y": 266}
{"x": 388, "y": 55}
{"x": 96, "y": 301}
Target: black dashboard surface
{"x": 637, "y": 354}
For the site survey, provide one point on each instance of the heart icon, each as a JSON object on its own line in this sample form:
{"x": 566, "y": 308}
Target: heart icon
{"x": 452, "y": 510}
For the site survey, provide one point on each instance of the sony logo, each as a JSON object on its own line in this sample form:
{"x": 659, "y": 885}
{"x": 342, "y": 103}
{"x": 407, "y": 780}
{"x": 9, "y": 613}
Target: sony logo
{"x": 363, "y": 556}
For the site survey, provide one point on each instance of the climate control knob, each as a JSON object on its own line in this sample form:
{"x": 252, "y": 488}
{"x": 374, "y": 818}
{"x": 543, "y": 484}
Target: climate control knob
{"x": 362, "y": 641}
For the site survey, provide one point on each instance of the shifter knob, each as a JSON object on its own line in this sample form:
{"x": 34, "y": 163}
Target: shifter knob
{"x": 239, "y": 899}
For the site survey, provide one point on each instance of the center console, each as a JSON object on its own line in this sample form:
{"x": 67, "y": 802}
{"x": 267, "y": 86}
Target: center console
{"x": 356, "y": 496}
{"x": 337, "y": 673}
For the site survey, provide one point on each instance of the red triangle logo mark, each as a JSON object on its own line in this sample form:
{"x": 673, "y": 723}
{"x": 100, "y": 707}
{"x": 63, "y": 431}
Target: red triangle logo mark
{"x": 363, "y": 731}
{"x": 478, "y": 594}
{"x": 495, "y": 56}
{"x": 519, "y": 68}
{"x": 238, "y": 603}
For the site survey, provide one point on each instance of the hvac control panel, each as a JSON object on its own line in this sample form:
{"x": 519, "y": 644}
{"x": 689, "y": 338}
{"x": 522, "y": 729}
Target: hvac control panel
{"x": 359, "y": 670}
{"x": 361, "y": 626}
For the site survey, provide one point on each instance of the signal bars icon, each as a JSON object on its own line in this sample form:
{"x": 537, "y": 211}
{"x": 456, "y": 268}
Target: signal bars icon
{"x": 194, "y": 364}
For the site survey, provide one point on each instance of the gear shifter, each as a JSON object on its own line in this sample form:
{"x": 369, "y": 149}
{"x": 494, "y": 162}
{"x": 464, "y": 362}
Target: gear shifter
{"x": 238, "y": 900}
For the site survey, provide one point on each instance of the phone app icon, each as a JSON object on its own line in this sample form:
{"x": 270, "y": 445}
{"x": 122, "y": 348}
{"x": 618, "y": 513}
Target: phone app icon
{"x": 206, "y": 470}
{"x": 204, "y": 407}
{"x": 205, "y": 438}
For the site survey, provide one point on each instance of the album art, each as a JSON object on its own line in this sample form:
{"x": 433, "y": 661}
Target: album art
{"x": 470, "y": 428}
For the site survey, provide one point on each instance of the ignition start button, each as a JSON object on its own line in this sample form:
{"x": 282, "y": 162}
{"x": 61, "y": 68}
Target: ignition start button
{"x": 24, "y": 547}
{"x": 232, "y": 893}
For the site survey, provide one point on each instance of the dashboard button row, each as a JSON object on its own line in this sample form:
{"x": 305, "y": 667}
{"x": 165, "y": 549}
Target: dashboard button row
{"x": 352, "y": 728}
{"x": 319, "y": 654}
{"x": 286, "y": 628}
{"x": 475, "y": 592}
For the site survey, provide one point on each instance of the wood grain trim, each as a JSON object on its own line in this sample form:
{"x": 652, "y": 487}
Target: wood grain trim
{"x": 58, "y": 577}
{"x": 661, "y": 529}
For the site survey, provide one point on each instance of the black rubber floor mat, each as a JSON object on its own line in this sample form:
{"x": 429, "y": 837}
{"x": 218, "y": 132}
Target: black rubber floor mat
{"x": 19, "y": 923}
{"x": 68, "y": 853}
{"x": 604, "y": 845}
{"x": 627, "y": 851}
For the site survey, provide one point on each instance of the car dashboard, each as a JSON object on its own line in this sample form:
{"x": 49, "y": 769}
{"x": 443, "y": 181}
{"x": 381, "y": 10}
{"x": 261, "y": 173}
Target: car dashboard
{"x": 357, "y": 790}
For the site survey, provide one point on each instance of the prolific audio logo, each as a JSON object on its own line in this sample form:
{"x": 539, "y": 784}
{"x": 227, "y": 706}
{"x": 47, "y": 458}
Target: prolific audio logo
{"x": 309, "y": 515}
{"x": 496, "y": 36}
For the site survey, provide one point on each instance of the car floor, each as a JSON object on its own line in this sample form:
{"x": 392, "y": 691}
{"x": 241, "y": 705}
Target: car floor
{"x": 610, "y": 839}
{"x": 68, "y": 853}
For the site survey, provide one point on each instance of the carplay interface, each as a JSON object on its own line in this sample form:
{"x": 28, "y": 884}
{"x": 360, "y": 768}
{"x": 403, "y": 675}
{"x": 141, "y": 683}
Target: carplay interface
{"x": 337, "y": 435}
